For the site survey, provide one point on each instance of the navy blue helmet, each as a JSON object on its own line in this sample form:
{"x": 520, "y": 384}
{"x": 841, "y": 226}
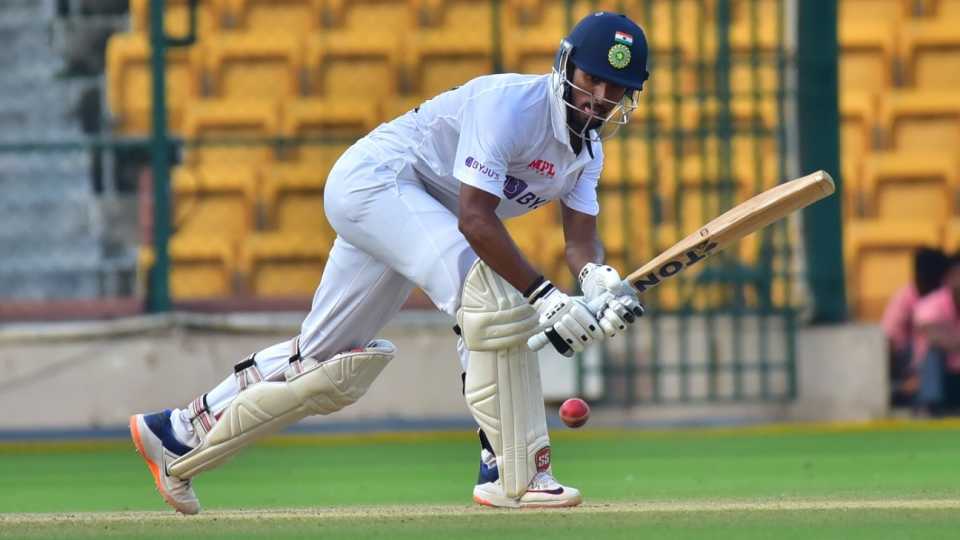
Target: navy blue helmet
{"x": 611, "y": 47}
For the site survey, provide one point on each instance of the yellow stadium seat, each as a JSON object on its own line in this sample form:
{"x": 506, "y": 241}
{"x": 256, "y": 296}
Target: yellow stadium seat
{"x": 398, "y": 106}
{"x": 951, "y": 237}
{"x": 854, "y": 205}
{"x": 879, "y": 258}
{"x": 531, "y": 31}
{"x": 744, "y": 113}
{"x": 253, "y": 65}
{"x": 757, "y": 35}
{"x": 539, "y": 236}
{"x": 904, "y": 186}
{"x": 757, "y": 24}
{"x": 866, "y": 56}
{"x": 857, "y": 123}
{"x": 200, "y": 267}
{"x": 230, "y": 132}
{"x": 329, "y": 127}
{"x": 701, "y": 198}
{"x": 923, "y": 120}
{"x": 284, "y": 265}
{"x": 338, "y": 62}
{"x": 456, "y": 47}
{"x": 177, "y": 17}
{"x": 947, "y": 11}
{"x": 653, "y": 115}
{"x": 338, "y": 115}
{"x": 293, "y": 197}
{"x": 753, "y": 159}
{"x": 288, "y": 16}
{"x": 129, "y": 82}
{"x": 626, "y": 223}
{"x": 674, "y": 24}
{"x": 885, "y": 12}
{"x": 931, "y": 55}
{"x": 214, "y": 201}
{"x": 634, "y": 159}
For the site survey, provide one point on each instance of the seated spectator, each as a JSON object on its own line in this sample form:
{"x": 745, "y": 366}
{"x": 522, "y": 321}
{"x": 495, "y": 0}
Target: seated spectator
{"x": 936, "y": 320}
{"x": 929, "y": 267}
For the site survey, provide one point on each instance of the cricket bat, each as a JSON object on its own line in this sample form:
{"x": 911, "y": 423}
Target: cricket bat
{"x": 741, "y": 220}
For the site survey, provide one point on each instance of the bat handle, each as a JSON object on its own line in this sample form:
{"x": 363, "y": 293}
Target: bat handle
{"x": 541, "y": 339}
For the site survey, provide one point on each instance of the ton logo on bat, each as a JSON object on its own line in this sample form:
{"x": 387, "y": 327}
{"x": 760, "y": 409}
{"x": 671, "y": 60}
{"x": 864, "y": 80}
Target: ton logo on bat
{"x": 688, "y": 258}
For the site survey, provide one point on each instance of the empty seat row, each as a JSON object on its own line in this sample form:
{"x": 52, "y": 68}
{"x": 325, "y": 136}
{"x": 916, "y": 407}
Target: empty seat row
{"x": 918, "y": 54}
{"x": 267, "y": 265}
{"x": 903, "y": 186}
{"x": 229, "y": 202}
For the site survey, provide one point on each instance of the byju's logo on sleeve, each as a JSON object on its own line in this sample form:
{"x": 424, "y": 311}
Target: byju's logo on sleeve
{"x": 473, "y": 163}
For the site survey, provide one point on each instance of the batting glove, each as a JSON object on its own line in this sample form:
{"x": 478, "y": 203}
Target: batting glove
{"x": 569, "y": 322}
{"x": 620, "y": 305}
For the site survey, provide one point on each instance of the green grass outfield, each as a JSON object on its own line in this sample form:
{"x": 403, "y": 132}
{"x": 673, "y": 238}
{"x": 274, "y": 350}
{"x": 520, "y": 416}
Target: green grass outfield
{"x": 882, "y": 481}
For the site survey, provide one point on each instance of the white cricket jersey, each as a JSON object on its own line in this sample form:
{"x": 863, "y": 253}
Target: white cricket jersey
{"x": 505, "y": 134}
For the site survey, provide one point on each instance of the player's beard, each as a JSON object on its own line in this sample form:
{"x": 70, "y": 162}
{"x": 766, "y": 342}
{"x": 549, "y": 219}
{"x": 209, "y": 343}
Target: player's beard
{"x": 577, "y": 119}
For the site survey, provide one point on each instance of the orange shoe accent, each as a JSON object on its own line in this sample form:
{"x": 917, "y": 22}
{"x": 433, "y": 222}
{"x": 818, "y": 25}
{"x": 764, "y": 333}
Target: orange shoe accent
{"x": 154, "y": 469}
{"x": 484, "y": 502}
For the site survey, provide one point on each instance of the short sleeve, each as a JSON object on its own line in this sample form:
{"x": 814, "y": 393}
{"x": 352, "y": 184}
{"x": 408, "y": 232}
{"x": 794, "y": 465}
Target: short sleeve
{"x": 933, "y": 308}
{"x": 583, "y": 196}
{"x": 484, "y": 147}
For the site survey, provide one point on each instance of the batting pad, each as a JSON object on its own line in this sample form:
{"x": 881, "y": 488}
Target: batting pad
{"x": 502, "y": 387}
{"x": 266, "y": 407}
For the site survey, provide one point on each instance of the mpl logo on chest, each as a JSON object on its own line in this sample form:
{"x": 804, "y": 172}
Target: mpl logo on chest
{"x": 543, "y": 167}
{"x": 515, "y": 189}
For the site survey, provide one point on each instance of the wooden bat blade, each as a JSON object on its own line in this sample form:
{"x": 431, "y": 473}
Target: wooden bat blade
{"x": 741, "y": 220}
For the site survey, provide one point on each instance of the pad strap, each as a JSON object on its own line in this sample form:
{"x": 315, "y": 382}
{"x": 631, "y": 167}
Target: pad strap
{"x": 268, "y": 406}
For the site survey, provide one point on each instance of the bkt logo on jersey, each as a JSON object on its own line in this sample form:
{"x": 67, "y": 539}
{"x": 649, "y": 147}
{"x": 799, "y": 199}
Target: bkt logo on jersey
{"x": 543, "y": 167}
{"x": 515, "y": 189}
{"x": 484, "y": 170}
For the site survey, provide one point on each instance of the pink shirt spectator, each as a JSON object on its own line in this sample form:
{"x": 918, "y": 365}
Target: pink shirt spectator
{"x": 898, "y": 317}
{"x": 936, "y": 307}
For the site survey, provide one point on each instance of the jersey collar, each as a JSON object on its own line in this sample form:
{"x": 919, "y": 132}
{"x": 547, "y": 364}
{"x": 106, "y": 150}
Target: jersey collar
{"x": 558, "y": 112}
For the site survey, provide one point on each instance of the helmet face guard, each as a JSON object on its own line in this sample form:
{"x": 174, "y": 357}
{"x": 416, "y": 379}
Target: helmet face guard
{"x": 596, "y": 128}
{"x": 611, "y": 47}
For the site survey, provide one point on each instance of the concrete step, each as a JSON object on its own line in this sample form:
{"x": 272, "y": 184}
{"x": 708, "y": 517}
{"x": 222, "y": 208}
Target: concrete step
{"x": 39, "y": 285}
{"x": 60, "y": 164}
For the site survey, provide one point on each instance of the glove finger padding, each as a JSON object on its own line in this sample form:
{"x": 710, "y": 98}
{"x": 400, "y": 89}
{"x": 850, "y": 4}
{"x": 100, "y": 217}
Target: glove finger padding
{"x": 621, "y": 311}
{"x": 610, "y": 329}
{"x": 571, "y": 333}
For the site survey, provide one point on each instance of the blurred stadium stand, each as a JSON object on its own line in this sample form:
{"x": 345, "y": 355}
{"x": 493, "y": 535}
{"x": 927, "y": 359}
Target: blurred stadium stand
{"x": 291, "y": 69}
{"x": 52, "y": 230}
{"x": 280, "y": 77}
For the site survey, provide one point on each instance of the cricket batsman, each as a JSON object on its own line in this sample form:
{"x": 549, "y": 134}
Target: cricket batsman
{"x": 419, "y": 202}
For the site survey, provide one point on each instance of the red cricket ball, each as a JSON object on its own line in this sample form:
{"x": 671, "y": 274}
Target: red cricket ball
{"x": 574, "y": 412}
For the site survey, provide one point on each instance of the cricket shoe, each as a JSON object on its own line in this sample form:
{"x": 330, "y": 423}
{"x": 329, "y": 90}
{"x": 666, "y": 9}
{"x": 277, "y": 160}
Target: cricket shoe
{"x": 543, "y": 492}
{"x": 152, "y": 434}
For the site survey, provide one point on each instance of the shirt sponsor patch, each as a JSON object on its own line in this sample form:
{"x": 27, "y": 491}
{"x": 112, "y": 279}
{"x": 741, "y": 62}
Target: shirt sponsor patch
{"x": 543, "y": 167}
{"x": 473, "y": 163}
{"x": 515, "y": 189}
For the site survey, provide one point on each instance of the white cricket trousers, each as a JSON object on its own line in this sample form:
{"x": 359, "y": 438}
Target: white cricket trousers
{"x": 391, "y": 236}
